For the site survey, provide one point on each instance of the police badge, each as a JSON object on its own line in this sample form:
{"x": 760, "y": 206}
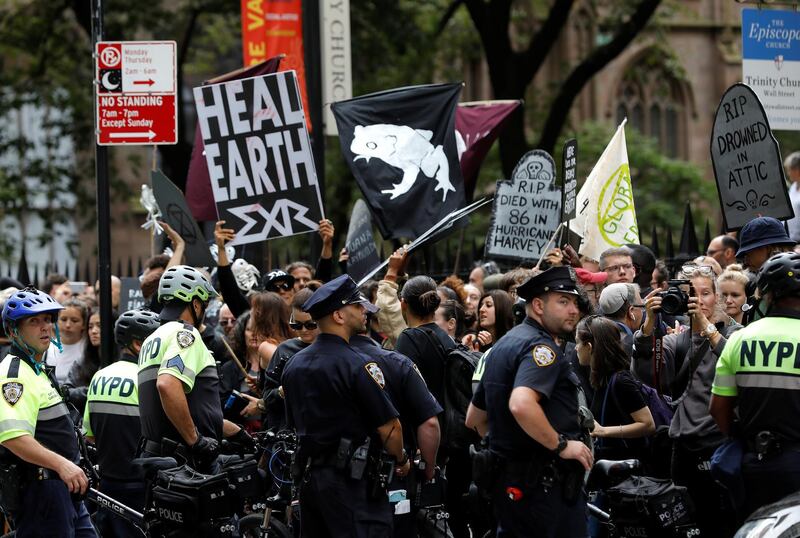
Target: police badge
{"x": 375, "y": 373}
{"x": 12, "y": 392}
{"x": 185, "y": 339}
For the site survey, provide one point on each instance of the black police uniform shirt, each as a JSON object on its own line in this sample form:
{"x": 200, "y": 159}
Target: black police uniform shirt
{"x": 177, "y": 349}
{"x": 423, "y": 351}
{"x": 275, "y": 416}
{"x": 332, "y": 392}
{"x": 112, "y": 417}
{"x": 32, "y": 405}
{"x": 527, "y": 356}
{"x": 404, "y": 385}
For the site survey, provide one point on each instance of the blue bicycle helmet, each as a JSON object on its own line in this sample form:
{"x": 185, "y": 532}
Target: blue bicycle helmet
{"x": 29, "y": 302}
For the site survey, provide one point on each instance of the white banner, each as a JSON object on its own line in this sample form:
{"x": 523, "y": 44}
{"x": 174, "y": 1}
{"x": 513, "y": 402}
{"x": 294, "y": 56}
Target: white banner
{"x": 606, "y": 214}
{"x": 337, "y": 70}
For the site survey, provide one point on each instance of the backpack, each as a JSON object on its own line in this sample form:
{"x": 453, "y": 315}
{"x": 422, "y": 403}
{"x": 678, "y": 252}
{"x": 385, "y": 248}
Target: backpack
{"x": 459, "y": 367}
{"x": 660, "y": 405}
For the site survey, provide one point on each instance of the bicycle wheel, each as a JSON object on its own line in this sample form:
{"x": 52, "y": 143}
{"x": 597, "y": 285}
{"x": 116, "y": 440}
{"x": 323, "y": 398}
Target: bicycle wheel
{"x": 250, "y": 527}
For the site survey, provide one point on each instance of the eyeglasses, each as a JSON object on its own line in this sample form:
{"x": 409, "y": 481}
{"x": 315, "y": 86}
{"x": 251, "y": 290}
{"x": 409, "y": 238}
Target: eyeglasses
{"x": 226, "y": 322}
{"x": 297, "y": 325}
{"x": 704, "y": 270}
{"x": 620, "y": 267}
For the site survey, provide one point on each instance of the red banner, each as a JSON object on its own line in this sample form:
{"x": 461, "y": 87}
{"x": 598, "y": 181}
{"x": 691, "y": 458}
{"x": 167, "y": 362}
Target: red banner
{"x": 271, "y": 28}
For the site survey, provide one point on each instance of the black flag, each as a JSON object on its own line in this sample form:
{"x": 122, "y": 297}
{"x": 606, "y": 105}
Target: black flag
{"x": 401, "y": 147}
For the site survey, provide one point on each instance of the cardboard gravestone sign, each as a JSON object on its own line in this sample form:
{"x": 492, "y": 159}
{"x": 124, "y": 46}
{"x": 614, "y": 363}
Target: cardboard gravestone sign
{"x": 569, "y": 187}
{"x": 175, "y": 212}
{"x": 747, "y": 161}
{"x": 360, "y": 244}
{"x": 130, "y": 295}
{"x": 259, "y": 157}
{"x": 526, "y": 210}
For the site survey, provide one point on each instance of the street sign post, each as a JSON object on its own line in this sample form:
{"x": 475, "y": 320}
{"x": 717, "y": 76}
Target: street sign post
{"x": 136, "y": 92}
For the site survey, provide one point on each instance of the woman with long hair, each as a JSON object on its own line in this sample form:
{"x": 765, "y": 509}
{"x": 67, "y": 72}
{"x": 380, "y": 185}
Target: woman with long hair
{"x": 72, "y": 324}
{"x": 85, "y": 366}
{"x": 622, "y": 418}
{"x": 244, "y": 342}
{"x": 495, "y": 319}
{"x": 450, "y": 317}
{"x": 270, "y": 314}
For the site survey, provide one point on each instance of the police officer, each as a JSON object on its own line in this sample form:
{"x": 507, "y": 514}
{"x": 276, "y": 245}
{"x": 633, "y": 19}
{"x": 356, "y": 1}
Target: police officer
{"x": 418, "y": 410}
{"x": 35, "y": 425}
{"x": 757, "y": 374}
{"x": 111, "y": 420}
{"x": 178, "y": 382}
{"x": 528, "y": 401}
{"x": 335, "y": 400}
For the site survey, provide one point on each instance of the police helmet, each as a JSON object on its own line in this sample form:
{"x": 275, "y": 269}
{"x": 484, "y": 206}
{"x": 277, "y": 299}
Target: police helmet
{"x": 184, "y": 283}
{"x": 135, "y": 325}
{"x": 28, "y": 302}
{"x": 780, "y": 274}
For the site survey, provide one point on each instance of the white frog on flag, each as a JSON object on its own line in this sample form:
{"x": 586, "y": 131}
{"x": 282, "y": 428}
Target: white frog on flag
{"x": 606, "y": 216}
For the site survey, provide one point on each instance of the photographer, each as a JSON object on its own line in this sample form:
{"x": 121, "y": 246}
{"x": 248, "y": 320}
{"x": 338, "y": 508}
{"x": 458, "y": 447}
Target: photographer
{"x": 689, "y": 357}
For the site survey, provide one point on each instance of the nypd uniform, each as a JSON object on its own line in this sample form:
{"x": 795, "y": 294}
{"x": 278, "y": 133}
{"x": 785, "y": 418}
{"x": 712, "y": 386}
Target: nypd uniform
{"x": 536, "y": 493}
{"x": 412, "y": 399}
{"x": 334, "y": 396}
{"x": 112, "y": 418}
{"x": 177, "y": 349}
{"x": 760, "y": 365}
{"x": 32, "y": 405}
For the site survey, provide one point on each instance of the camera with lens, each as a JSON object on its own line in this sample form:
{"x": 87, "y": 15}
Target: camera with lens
{"x": 675, "y": 301}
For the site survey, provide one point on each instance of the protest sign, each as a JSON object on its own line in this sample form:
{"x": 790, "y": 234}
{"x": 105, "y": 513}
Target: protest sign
{"x": 569, "y": 185}
{"x": 605, "y": 212}
{"x": 130, "y": 294}
{"x": 362, "y": 255}
{"x": 526, "y": 210}
{"x": 747, "y": 161}
{"x": 771, "y": 63}
{"x": 175, "y": 212}
{"x": 259, "y": 157}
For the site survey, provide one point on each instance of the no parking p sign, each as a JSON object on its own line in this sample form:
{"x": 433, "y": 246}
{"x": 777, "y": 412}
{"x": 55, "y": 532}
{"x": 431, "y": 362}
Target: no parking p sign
{"x": 136, "y": 92}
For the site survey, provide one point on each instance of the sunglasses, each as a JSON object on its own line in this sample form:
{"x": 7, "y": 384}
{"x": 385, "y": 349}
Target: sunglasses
{"x": 297, "y": 325}
{"x": 280, "y": 286}
{"x": 703, "y": 270}
{"x": 226, "y": 322}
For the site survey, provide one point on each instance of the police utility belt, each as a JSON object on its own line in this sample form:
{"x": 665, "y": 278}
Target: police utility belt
{"x": 14, "y": 477}
{"x": 545, "y": 472}
{"x": 358, "y": 462}
{"x": 766, "y": 444}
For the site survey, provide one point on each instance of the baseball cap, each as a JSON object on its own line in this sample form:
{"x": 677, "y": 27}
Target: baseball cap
{"x": 614, "y": 296}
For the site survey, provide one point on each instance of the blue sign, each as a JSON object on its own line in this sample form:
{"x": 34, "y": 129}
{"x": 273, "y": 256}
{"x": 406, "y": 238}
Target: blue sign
{"x": 771, "y": 63}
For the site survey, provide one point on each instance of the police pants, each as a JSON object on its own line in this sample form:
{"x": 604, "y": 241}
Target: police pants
{"x": 334, "y": 505}
{"x": 537, "y": 514}
{"x": 131, "y": 494}
{"x": 48, "y": 511}
{"x": 714, "y": 512}
{"x": 770, "y": 479}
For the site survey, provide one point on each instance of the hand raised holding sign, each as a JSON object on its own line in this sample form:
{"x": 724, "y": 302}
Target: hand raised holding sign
{"x": 222, "y": 236}
{"x": 326, "y": 231}
{"x": 178, "y": 244}
{"x": 397, "y": 264}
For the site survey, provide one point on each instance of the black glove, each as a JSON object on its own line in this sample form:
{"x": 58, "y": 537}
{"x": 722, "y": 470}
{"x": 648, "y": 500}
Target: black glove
{"x": 204, "y": 452}
{"x": 245, "y": 440}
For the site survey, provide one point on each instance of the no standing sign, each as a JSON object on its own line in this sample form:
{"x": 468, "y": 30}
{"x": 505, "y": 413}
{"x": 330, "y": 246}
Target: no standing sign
{"x": 136, "y": 92}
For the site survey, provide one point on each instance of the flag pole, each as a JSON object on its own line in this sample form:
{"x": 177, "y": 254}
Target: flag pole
{"x": 547, "y": 247}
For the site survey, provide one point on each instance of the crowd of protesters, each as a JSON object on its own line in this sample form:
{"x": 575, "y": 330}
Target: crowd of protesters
{"x": 258, "y": 324}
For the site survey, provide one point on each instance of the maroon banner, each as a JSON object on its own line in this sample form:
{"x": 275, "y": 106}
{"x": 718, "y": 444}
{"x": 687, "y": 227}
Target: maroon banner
{"x": 477, "y": 127}
{"x": 198, "y": 183}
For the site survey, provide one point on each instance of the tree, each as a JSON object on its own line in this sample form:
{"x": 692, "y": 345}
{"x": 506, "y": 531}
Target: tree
{"x": 512, "y": 70}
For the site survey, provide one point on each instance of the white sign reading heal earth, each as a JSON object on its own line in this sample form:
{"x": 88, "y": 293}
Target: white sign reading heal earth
{"x": 771, "y": 63}
{"x": 526, "y": 210}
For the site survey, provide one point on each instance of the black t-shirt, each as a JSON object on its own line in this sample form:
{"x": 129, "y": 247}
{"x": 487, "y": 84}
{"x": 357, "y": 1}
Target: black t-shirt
{"x": 421, "y": 348}
{"x": 621, "y": 398}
